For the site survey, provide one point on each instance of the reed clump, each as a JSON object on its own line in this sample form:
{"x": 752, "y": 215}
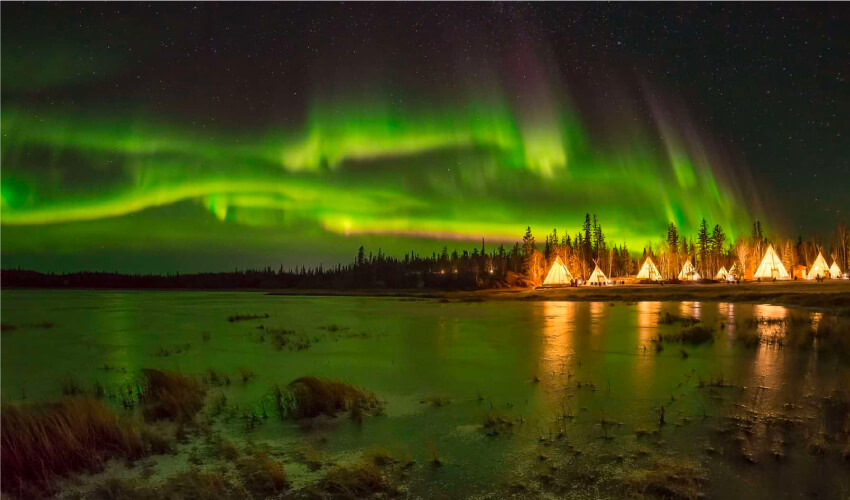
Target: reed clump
{"x": 194, "y": 483}
{"x": 261, "y": 475}
{"x": 363, "y": 479}
{"x": 171, "y": 396}
{"x": 245, "y": 317}
{"x": 669, "y": 319}
{"x": 696, "y": 334}
{"x": 308, "y": 397}
{"x": 667, "y": 478}
{"x": 42, "y": 442}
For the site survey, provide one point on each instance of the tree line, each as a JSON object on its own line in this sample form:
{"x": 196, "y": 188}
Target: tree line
{"x": 524, "y": 263}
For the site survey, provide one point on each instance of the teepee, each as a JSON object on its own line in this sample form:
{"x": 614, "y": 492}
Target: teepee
{"x": 733, "y": 272}
{"x": 721, "y": 274}
{"x": 648, "y": 271}
{"x": 834, "y": 271}
{"x": 689, "y": 272}
{"x": 820, "y": 269}
{"x": 597, "y": 277}
{"x": 558, "y": 274}
{"x": 771, "y": 267}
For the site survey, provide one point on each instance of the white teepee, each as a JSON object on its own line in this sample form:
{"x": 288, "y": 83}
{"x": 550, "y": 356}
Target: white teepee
{"x": 648, "y": 271}
{"x": 820, "y": 269}
{"x": 558, "y": 274}
{"x": 771, "y": 267}
{"x": 597, "y": 277}
{"x": 733, "y": 272}
{"x": 689, "y": 272}
{"x": 721, "y": 274}
{"x": 834, "y": 271}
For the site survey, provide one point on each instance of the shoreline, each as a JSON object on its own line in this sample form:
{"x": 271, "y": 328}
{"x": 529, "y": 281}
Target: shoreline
{"x": 831, "y": 294}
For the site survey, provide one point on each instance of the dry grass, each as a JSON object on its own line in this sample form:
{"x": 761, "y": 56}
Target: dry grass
{"x": 194, "y": 484}
{"x": 360, "y": 480}
{"x": 45, "y": 441}
{"x": 261, "y": 475}
{"x": 673, "y": 479}
{"x": 308, "y": 397}
{"x": 171, "y": 396}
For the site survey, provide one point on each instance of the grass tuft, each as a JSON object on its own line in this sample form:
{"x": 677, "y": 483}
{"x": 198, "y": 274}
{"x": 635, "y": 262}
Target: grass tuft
{"x": 667, "y": 478}
{"x": 360, "y": 480}
{"x": 309, "y": 396}
{"x": 45, "y": 441}
{"x": 171, "y": 396}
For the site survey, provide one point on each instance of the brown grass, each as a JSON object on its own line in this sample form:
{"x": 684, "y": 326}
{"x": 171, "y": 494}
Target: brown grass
{"x": 360, "y": 480}
{"x": 674, "y": 479}
{"x": 45, "y": 441}
{"x": 309, "y": 396}
{"x": 261, "y": 475}
{"x": 192, "y": 484}
{"x": 171, "y": 396}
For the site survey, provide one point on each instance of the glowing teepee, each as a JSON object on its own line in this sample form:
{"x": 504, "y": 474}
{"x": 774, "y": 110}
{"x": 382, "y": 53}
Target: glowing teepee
{"x": 558, "y": 274}
{"x": 733, "y": 272}
{"x": 689, "y": 272}
{"x": 834, "y": 271}
{"x": 721, "y": 274}
{"x": 648, "y": 271}
{"x": 597, "y": 277}
{"x": 771, "y": 267}
{"x": 820, "y": 269}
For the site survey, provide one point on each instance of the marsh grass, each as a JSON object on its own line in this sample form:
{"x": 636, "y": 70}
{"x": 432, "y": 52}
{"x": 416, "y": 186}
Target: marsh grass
{"x": 247, "y": 374}
{"x": 282, "y": 339}
{"x": 71, "y": 386}
{"x": 363, "y": 479}
{"x": 262, "y": 475}
{"x": 45, "y": 441}
{"x": 495, "y": 423}
{"x": 667, "y": 478}
{"x": 246, "y": 317}
{"x": 669, "y": 319}
{"x": 308, "y": 397}
{"x": 695, "y": 335}
{"x": 217, "y": 378}
{"x": 436, "y": 401}
{"x": 171, "y": 396}
{"x": 194, "y": 483}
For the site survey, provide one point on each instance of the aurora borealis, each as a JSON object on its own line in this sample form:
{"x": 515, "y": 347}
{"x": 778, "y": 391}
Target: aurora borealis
{"x": 155, "y": 143}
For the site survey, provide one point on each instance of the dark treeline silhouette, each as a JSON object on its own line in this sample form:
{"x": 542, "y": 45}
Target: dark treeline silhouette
{"x": 525, "y": 263}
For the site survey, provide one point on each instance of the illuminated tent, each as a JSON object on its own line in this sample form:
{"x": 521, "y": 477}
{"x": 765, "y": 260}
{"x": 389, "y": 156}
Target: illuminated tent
{"x": 597, "y": 277}
{"x": 771, "y": 267}
{"x": 732, "y": 275}
{"x": 721, "y": 274}
{"x": 558, "y": 274}
{"x": 820, "y": 269}
{"x": 689, "y": 272}
{"x": 834, "y": 270}
{"x": 648, "y": 271}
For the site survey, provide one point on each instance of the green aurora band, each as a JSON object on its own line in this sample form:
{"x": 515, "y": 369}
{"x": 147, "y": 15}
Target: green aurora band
{"x": 480, "y": 165}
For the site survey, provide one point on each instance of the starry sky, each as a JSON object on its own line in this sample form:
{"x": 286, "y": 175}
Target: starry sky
{"x": 201, "y": 137}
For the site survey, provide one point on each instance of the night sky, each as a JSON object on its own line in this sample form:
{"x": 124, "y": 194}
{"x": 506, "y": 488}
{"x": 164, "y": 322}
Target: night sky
{"x": 181, "y": 137}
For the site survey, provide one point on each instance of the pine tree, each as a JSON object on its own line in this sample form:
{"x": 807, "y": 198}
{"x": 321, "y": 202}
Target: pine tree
{"x": 702, "y": 246}
{"x": 718, "y": 238}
